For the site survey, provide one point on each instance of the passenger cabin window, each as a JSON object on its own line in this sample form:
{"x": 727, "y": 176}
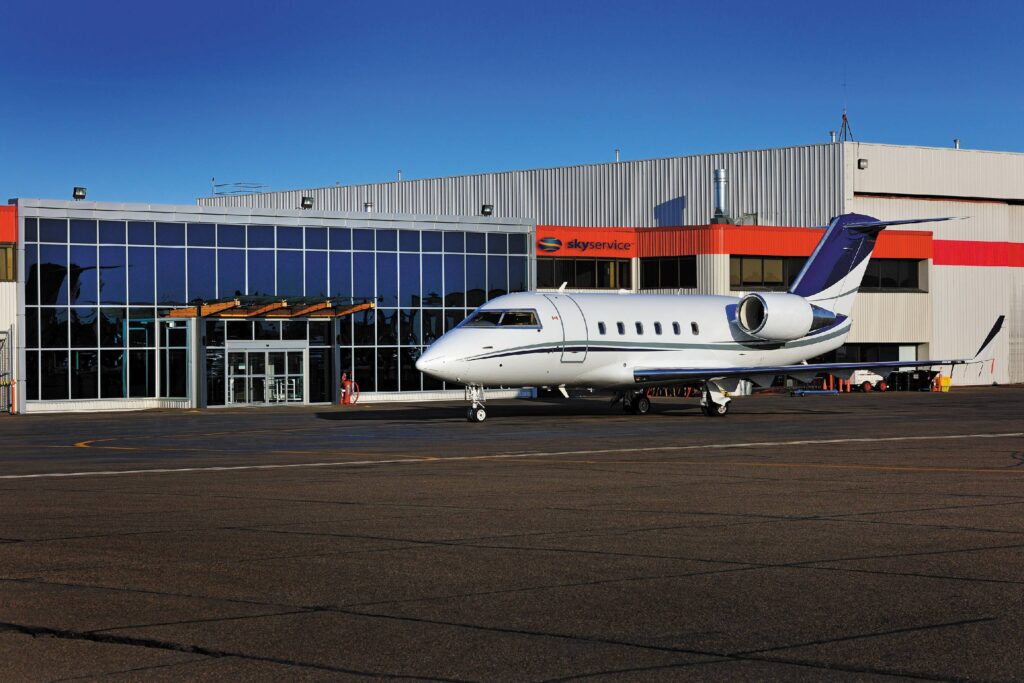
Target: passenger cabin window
{"x": 639, "y": 328}
{"x": 621, "y": 327}
{"x": 503, "y": 319}
{"x": 695, "y": 329}
{"x": 675, "y": 329}
{"x": 657, "y": 328}
{"x": 601, "y": 328}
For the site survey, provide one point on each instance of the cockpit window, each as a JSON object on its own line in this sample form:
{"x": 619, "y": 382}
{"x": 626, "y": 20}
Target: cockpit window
{"x": 492, "y": 318}
{"x": 519, "y": 319}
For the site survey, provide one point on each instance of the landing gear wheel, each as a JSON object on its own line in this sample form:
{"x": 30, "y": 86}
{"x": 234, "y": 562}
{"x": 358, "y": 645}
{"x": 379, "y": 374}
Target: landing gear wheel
{"x": 641, "y": 405}
{"x": 628, "y": 406}
{"x": 476, "y": 414}
{"x": 713, "y": 409}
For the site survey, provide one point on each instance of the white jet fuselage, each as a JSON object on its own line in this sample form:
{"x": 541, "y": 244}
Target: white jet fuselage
{"x": 599, "y": 340}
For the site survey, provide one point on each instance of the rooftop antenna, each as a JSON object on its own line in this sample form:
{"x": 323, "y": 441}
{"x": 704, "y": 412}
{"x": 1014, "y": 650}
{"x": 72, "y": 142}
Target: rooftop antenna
{"x": 845, "y": 131}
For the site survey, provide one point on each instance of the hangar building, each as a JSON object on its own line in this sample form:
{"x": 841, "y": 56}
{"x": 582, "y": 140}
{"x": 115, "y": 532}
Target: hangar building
{"x": 249, "y": 300}
{"x": 933, "y": 291}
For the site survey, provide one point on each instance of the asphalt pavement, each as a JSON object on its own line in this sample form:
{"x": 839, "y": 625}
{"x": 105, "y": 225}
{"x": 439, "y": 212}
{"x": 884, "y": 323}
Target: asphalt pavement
{"x": 859, "y": 537}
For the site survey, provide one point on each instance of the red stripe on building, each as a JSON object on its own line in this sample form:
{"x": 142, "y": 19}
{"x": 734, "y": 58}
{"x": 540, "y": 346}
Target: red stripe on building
{"x": 755, "y": 240}
{"x": 8, "y": 224}
{"x": 974, "y": 253}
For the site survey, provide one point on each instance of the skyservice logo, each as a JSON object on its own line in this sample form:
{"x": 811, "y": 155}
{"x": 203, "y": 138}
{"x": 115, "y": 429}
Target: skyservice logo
{"x": 549, "y": 244}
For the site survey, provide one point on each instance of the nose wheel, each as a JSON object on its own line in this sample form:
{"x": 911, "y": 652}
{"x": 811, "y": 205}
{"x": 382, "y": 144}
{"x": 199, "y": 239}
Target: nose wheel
{"x": 476, "y": 411}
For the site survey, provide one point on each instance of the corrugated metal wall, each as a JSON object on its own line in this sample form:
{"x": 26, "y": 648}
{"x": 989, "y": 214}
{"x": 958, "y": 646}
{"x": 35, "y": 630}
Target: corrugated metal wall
{"x": 786, "y": 186}
{"x": 967, "y": 299}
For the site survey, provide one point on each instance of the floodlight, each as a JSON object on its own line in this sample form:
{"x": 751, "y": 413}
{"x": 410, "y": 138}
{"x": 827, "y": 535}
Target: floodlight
{"x": 487, "y": 209}
{"x": 78, "y": 194}
{"x": 306, "y": 203}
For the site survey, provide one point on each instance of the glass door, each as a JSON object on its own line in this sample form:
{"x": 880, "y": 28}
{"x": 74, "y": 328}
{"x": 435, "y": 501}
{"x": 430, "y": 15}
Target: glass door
{"x": 266, "y": 377}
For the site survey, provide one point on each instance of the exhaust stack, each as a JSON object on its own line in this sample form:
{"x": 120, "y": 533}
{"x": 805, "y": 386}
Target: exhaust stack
{"x": 721, "y": 209}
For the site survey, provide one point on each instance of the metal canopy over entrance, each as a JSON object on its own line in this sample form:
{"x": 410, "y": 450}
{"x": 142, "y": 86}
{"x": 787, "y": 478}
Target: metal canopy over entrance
{"x": 271, "y": 307}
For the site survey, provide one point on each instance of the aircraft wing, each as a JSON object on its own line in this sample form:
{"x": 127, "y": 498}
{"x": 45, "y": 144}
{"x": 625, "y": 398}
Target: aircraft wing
{"x": 762, "y": 374}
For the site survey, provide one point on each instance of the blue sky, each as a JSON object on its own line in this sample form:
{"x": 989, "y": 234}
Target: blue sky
{"x": 145, "y": 101}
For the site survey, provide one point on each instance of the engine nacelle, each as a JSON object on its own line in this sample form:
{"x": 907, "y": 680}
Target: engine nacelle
{"x": 778, "y": 316}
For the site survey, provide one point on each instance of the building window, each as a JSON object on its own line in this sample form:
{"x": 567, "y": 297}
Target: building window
{"x": 7, "y": 263}
{"x": 893, "y": 274}
{"x": 673, "y": 272}
{"x": 582, "y": 273}
{"x": 601, "y": 329}
{"x": 763, "y": 272}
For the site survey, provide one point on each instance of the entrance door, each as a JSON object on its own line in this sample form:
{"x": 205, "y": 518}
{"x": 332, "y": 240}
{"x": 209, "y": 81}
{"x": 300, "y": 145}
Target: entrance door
{"x": 266, "y": 377}
{"x": 575, "y": 339}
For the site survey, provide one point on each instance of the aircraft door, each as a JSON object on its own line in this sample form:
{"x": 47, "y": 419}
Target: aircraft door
{"x": 575, "y": 339}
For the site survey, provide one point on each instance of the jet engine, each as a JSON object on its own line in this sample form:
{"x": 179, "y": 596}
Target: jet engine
{"x": 780, "y": 317}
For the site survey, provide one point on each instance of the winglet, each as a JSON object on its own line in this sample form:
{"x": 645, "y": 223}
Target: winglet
{"x": 987, "y": 349}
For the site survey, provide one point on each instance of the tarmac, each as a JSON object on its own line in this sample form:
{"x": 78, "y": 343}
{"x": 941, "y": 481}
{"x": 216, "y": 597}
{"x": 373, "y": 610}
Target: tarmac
{"x": 854, "y": 537}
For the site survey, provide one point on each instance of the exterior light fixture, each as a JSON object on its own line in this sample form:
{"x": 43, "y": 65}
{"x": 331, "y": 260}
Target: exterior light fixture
{"x": 487, "y": 210}
{"x": 862, "y": 164}
{"x": 306, "y": 203}
{"x": 367, "y": 206}
{"x": 78, "y": 194}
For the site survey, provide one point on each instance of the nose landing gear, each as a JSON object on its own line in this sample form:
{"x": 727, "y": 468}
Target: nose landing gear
{"x": 476, "y": 411}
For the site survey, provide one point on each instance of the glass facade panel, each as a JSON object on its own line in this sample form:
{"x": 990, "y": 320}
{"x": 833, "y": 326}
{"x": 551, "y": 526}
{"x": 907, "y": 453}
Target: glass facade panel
{"x": 289, "y": 237}
{"x": 202, "y": 274}
{"x": 85, "y": 374}
{"x": 431, "y": 240}
{"x": 84, "y": 328}
{"x": 432, "y": 280}
{"x": 141, "y": 276}
{"x": 230, "y": 272}
{"x": 289, "y": 274}
{"x": 170, "y": 234}
{"x": 199, "y": 234}
{"x": 261, "y": 273}
{"x": 316, "y": 274}
{"x": 84, "y": 286}
{"x": 231, "y": 236}
{"x": 341, "y": 275}
{"x": 52, "y": 274}
{"x": 260, "y": 237}
{"x": 387, "y": 279}
{"x": 113, "y": 275}
{"x": 54, "y": 373}
{"x": 409, "y": 280}
{"x": 316, "y": 238}
{"x": 93, "y": 329}
{"x": 53, "y": 230}
{"x": 140, "y": 233}
{"x": 83, "y": 231}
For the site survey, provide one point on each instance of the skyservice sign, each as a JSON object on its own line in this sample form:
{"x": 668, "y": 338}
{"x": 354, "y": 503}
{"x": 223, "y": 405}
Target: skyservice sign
{"x": 593, "y": 242}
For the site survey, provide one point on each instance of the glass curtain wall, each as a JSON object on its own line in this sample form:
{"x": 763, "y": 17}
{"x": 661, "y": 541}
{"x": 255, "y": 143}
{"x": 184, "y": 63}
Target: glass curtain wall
{"x": 96, "y": 289}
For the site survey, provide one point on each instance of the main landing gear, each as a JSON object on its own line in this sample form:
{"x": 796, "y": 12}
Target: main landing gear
{"x": 714, "y": 403}
{"x": 476, "y": 411}
{"x": 635, "y": 402}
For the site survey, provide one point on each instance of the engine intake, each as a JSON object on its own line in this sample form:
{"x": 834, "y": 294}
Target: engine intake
{"x": 778, "y": 316}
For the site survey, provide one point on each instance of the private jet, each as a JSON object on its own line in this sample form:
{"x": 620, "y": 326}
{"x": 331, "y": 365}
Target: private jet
{"x": 628, "y": 343}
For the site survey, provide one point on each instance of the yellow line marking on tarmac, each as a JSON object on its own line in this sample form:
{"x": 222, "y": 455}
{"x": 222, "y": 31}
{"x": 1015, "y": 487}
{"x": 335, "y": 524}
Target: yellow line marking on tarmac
{"x": 526, "y": 455}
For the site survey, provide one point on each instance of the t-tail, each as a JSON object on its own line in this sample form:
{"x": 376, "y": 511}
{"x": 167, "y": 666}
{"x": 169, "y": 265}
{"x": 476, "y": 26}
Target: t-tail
{"x": 834, "y": 272}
